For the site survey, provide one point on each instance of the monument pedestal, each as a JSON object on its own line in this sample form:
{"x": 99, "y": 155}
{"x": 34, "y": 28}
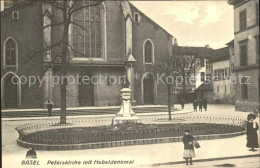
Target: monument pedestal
{"x": 126, "y": 114}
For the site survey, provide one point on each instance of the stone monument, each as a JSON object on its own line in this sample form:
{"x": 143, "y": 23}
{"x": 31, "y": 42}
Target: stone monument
{"x": 126, "y": 114}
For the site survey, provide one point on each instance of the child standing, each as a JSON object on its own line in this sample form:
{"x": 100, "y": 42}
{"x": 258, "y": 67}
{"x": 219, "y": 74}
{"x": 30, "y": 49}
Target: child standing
{"x": 188, "y": 147}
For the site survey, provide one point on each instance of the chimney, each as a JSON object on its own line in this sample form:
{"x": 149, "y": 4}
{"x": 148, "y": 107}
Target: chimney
{"x": 207, "y": 46}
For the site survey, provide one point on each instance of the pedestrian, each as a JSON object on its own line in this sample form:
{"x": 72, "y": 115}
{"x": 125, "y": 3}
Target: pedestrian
{"x": 182, "y": 104}
{"x": 31, "y": 154}
{"x": 188, "y": 147}
{"x": 205, "y": 104}
{"x": 200, "y": 105}
{"x": 195, "y": 105}
{"x": 49, "y": 106}
{"x": 251, "y": 132}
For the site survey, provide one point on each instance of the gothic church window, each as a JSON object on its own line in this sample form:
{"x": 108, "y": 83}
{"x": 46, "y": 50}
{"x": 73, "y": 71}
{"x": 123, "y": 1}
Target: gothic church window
{"x": 87, "y": 32}
{"x": 10, "y": 52}
{"x": 148, "y": 52}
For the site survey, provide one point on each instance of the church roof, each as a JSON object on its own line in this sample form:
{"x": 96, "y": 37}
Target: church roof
{"x": 205, "y": 87}
{"x": 153, "y": 22}
{"x": 221, "y": 54}
{"x": 201, "y": 52}
{"x": 126, "y": 9}
{"x": 231, "y": 43}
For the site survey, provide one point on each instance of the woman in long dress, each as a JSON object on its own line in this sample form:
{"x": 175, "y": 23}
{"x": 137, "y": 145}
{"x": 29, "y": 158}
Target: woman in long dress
{"x": 188, "y": 147}
{"x": 251, "y": 132}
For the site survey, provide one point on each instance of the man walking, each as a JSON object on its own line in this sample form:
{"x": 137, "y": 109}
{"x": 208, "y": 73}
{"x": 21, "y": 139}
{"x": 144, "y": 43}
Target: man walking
{"x": 49, "y": 106}
{"x": 182, "y": 104}
{"x": 200, "y": 105}
{"x": 205, "y": 104}
{"x": 195, "y": 105}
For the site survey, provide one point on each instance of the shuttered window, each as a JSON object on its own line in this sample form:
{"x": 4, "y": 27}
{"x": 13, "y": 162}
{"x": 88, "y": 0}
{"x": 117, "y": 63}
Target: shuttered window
{"x": 242, "y": 20}
{"x": 243, "y": 55}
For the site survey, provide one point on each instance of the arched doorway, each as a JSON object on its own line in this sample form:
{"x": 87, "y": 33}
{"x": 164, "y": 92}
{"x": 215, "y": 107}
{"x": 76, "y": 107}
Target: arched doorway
{"x": 148, "y": 89}
{"x": 10, "y": 91}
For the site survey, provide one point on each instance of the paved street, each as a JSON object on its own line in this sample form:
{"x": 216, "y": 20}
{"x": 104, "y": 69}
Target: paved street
{"x": 218, "y": 109}
{"x": 142, "y": 154}
{"x": 79, "y": 111}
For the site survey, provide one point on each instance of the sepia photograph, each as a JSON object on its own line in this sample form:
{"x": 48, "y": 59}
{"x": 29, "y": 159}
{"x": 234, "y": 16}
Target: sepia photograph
{"x": 130, "y": 83}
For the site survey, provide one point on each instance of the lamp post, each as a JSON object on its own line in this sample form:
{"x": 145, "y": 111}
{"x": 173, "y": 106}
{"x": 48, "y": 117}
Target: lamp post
{"x": 47, "y": 79}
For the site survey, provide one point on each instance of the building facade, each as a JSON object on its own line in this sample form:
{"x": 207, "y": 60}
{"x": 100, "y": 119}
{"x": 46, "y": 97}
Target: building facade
{"x": 223, "y": 76}
{"x": 19, "y": 35}
{"x": 114, "y": 40}
{"x": 246, "y": 53}
{"x": 200, "y": 76}
{"x": 203, "y": 75}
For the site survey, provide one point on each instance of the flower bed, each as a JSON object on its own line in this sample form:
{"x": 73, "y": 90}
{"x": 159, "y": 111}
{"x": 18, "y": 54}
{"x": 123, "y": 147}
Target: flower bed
{"x": 125, "y": 131}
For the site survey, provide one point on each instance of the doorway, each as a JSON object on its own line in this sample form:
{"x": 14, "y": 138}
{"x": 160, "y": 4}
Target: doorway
{"x": 10, "y": 91}
{"x": 86, "y": 94}
{"x": 148, "y": 88}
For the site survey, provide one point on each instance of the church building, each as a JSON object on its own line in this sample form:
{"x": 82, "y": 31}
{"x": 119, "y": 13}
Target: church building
{"x": 113, "y": 40}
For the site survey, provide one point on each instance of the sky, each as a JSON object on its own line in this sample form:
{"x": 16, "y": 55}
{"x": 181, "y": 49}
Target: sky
{"x": 193, "y": 23}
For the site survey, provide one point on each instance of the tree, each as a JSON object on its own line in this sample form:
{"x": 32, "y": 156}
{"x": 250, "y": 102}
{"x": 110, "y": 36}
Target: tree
{"x": 168, "y": 68}
{"x": 187, "y": 62}
{"x": 67, "y": 9}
